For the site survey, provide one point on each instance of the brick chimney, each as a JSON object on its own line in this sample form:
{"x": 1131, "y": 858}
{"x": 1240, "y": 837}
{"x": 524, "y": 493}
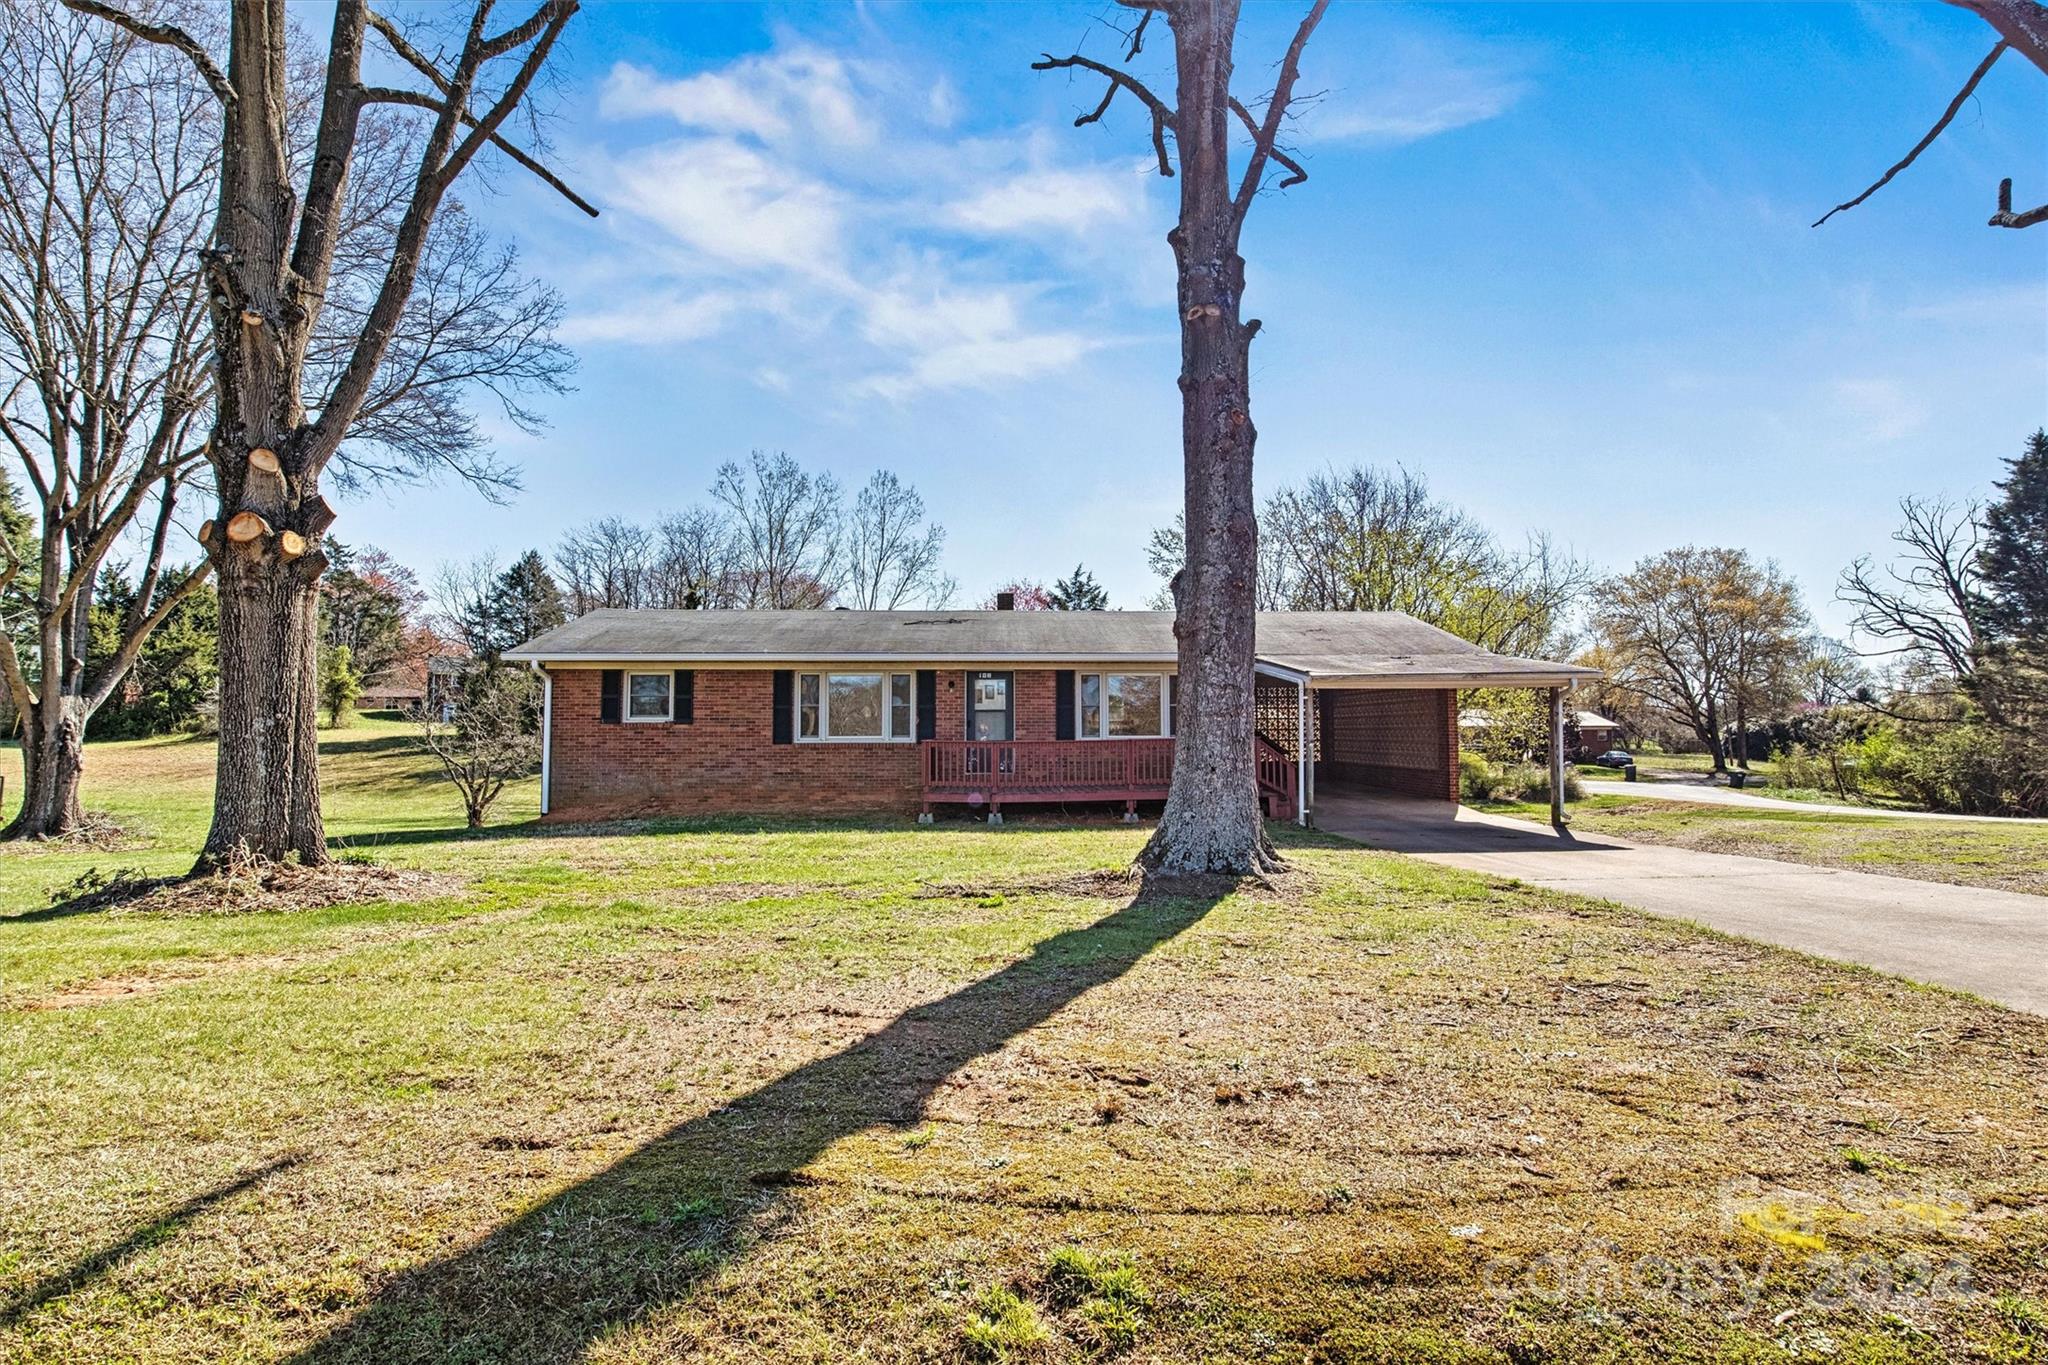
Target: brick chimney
{"x": 1006, "y": 601}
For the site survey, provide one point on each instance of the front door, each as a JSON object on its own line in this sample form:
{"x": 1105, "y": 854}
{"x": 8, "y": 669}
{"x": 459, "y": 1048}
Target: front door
{"x": 989, "y": 714}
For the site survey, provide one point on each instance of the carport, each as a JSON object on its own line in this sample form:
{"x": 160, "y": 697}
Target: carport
{"x": 1372, "y": 699}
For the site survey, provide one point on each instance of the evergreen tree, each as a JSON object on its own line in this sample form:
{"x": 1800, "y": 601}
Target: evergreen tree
{"x": 526, "y": 602}
{"x": 2015, "y": 554}
{"x": 18, "y": 601}
{"x": 1079, "y": 592}
{"x": 340, "y": 685}
{"x": 2010, "y": 681}
{"x": 170, "y": 688}
{"x": 364, "y": 606}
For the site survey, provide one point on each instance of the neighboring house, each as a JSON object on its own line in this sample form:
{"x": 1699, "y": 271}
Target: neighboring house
{"x": 445, "y": 673}
{"x": 1597, "y": 734}
{"x": 392, "y": 691}
{"x": 843, "y": 711}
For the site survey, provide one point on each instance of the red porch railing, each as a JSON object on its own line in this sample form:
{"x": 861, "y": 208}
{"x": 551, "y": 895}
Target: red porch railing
{"x": 983, "y": 773}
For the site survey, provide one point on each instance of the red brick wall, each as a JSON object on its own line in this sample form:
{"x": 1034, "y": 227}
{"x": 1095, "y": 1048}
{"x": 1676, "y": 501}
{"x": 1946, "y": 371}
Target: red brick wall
{"x": 1402, "y": 740}
{"x": 726, "y": 760}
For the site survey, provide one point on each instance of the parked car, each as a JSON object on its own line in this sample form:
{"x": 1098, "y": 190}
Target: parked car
{"x": 1615, "y": 758}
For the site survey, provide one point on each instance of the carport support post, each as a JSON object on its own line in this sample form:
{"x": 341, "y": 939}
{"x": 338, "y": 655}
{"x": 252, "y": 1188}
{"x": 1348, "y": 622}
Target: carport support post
{"x": 1301, "y": 756}
{"x": 1557, "y": 757}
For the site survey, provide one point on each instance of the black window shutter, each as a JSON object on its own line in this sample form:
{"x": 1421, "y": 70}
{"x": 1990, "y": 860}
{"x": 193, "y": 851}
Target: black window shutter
{"x": 685, "y": 708}
{"x": 1063, "y": 704}
{"x": 927, "y": 703}
{"x": 610, "y": 683}
{"x": 784, "y": 725}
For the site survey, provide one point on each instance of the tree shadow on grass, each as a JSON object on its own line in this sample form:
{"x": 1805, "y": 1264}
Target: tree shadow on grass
{"x": 645, "y": 1232}
{"x": 90, "y": 1267}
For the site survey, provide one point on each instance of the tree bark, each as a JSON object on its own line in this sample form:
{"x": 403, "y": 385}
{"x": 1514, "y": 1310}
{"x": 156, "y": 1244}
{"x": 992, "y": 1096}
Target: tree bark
{"x": 53, "y": 765}
{"x": 269, "y": 272}
{"x": 266, "y": 801}
{"x": 1212, "y": 822}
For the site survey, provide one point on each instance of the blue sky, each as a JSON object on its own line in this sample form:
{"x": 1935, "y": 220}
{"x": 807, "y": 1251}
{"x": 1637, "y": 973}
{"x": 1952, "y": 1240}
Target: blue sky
{"x": 1556, "y": 258}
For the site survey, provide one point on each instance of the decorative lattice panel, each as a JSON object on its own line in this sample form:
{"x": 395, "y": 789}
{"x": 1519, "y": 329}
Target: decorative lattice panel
{"x": 1273, "y": 708}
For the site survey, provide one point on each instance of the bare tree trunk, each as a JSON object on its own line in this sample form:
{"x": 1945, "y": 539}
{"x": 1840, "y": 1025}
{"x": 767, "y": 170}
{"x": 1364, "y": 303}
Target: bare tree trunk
{"x": 266, "y": 801}
{"x": 53, "y": 765}
{"x": 269, "y": 273}
{"x": 1212, "y": 821}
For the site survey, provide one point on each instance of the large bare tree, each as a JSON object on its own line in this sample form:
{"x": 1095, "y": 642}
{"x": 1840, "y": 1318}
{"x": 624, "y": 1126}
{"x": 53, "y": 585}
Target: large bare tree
{"x": 892, "y": 548}
{"x": 788, "y": 527}
{"x": 1212, "y": 821}
{"x": 693, "y": 562}
{"x": 1925, "y": 607}
{"x": 1693, "y": 632}
{"x": 105, "y": 178}
{"x": 282, "y": 408}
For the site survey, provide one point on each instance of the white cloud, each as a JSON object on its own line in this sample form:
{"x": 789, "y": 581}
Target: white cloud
{"x": 946, "y": 336}
{"x": 735, "y": 204}
{"x": 979, "y": 363}
{"x": 1982, "y": 307}
{"x": 759, "y": 209}
{"x": 1064, "y": 201}
{"x": 792, "y": 92}
{"x": 654, "y": 321}
{"x": 1421, "y": 87}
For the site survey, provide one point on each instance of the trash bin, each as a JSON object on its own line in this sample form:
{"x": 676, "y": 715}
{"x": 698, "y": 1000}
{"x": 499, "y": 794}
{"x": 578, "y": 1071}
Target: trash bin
{"x": 1628, "y": 772}
{"x": 1737, "y": 778}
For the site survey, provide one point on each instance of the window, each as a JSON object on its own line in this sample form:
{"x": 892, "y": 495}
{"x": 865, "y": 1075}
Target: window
{"x": 1124, "y": 706}
{"x": 856, "y": 706}
{"x": 650, "y": 696}
{"x": 902, "y": 724}
{"x": 807, "y": 707}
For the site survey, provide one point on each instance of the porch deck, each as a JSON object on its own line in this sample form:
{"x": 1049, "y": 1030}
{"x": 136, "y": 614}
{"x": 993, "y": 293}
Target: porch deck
{"x": 1019, "y": 772}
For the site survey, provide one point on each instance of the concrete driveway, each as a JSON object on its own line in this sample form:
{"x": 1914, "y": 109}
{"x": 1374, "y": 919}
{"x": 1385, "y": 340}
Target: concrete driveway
{"x": 1994, "y": 943}
{"x": 1706, "y": 794}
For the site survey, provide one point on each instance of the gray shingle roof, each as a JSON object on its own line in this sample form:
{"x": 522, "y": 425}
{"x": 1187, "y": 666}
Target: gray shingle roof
{"x": 1356, "y": 648}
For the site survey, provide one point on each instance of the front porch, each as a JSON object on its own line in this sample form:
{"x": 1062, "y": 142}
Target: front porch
{"x": 1052, "y": 772}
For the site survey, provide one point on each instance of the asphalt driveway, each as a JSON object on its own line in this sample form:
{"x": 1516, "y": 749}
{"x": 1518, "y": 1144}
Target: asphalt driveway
{"x": 1993, "y": 943}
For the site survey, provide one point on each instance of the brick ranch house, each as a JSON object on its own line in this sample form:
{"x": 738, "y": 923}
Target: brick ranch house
{"x": 803, "y": 712}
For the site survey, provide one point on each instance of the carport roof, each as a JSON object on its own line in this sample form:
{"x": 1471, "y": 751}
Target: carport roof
{"x": 1331, "y": 648}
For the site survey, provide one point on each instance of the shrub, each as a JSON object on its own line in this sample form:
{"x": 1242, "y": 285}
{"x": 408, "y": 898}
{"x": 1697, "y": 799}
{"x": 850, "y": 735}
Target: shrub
{"x": 1479, "y": 780}
{"x": 1960, "y": 766}
{"x": 1800, "y": 766}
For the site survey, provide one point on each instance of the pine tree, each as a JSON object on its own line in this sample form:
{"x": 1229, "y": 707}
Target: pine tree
{"x": 2015, "y": 554}
{"x": 340, "y": 685}
{"x": 527, "y": 602}
{"x": 1079, "y": 592}
{"x": 18, "y": 549}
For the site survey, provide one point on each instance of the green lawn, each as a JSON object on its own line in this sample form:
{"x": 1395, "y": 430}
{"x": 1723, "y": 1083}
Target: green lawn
{"x": 1970, "y": 853}
{"x": 805, "y": 1091}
